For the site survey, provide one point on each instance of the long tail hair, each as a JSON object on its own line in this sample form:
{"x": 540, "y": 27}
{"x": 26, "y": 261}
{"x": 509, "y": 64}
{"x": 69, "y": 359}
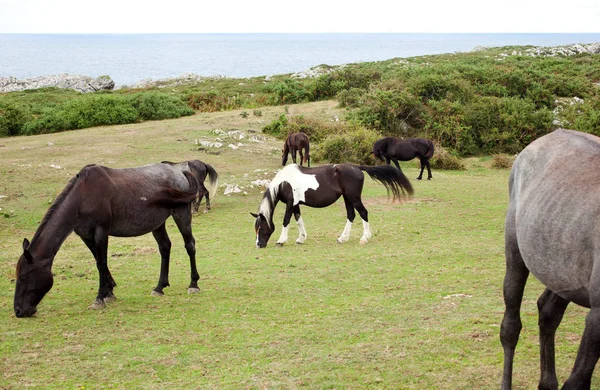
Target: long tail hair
{"x": 429, "y": 153}
{"x": 213, "y": 180}
{"x": 392, "y": 179}
{"x": 307, "y": 155}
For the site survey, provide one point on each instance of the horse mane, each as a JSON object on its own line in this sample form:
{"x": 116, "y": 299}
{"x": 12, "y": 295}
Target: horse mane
{"x": 267, "y": 205}
{"x": 56, "y": 204}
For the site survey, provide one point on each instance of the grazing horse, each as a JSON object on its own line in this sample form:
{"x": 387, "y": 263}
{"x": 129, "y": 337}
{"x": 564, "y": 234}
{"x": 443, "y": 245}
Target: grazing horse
{"x": 552, "y": 230}
{"x": 320, "y": 187}
{"x": 201, "y": 171}
{"x": 296, "y": 142}
{"x": 394, "y": 149}
{"x": 100, "y": 202}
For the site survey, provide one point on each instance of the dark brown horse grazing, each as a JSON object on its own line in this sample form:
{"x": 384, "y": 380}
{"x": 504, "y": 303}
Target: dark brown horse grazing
{"x": 201, "y": 171}
{"x": 552, "y": 231}
{"x": 100, "y": 202}
{"x": 296, "y": 142}
{"x": 394, "y": 149}
{"x": 320, "y": 187}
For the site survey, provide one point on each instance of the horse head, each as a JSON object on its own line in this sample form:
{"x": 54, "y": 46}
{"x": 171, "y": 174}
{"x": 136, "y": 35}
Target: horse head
{"x": 263, "y": 230}
{"x": 34, "y": 280}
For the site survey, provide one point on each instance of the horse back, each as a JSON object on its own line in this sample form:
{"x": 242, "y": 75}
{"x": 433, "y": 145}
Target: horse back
{"x": 131, "y": 201}
{"x": 553, "y": 212}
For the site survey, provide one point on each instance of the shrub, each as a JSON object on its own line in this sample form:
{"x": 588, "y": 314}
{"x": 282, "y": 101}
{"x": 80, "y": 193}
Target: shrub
{"x": 158, "y": 106}
{"x": 277, "y": 128}
{"x": 351, "y": 98}
{"x": 352, "y": 146}
{"x": 212, "y": 101}
{"x": 12, "y": 119}
{"x": 442, "y": 159}
{"x": 502, "y": 161}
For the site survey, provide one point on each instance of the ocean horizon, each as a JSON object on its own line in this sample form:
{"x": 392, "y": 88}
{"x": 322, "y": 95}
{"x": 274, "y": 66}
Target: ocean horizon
{"x": 131, "y": 58}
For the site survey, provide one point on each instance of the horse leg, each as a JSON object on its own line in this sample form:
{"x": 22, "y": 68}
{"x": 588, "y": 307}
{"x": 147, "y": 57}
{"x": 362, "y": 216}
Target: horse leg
{"x": 551, "y": 308}
{"x": 302, "y": 231}
{"x": 203, "y": 191}
{"x": 301, "y": 156}
{"x": 98, "y": 245}
{"x": 514, "y": 285}
{"x": 427, "y": 164}
{"x": 397, "y": 164}
{"x": 589, "y": 347}
{"x": 183, "y": 220}
{"x": 286, "y": 224}
{"x": 364, "y": 215}
{"x": 422, "y": 160}
{"x": 164, "y": 247}
{"x": 294, "y": 155}
{"x": 350, "y": 214}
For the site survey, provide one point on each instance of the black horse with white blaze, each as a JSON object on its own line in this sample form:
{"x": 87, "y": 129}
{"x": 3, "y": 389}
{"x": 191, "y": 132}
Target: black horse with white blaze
{"x": 320, "y": 187}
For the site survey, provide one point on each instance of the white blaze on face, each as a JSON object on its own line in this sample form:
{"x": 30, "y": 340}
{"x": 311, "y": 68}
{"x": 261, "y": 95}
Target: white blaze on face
{"x": 299, "y": 181}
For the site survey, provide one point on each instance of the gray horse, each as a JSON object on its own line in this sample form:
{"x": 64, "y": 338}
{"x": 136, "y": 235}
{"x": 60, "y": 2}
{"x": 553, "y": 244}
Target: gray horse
{"x": 553, "y": 231}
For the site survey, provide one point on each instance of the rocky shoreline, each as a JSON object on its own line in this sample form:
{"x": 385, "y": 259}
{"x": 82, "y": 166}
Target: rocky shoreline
{"x": 76, "y": 82}
{"x": 87, "y": 84}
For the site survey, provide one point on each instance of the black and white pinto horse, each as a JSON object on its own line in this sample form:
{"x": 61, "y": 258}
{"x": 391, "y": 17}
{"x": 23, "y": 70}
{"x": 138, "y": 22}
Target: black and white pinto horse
{"x": 320, "y": 187}
{"x": 552, "y": 231}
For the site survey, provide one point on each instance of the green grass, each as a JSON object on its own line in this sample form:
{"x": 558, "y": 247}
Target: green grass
{"x": 418, "y": 307}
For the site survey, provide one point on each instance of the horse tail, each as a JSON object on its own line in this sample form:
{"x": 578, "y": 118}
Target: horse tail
{"x": 213, "y": 180}
{"x": 392, "y": 179}
{"x": 429, "y": 153}
{"x": 307, "y": 156}
{"x": 170, "y": 197}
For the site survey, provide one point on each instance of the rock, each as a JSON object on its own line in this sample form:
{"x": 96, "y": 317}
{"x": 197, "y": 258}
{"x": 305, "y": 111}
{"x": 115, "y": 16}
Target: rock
{"x": 78, "y": 83}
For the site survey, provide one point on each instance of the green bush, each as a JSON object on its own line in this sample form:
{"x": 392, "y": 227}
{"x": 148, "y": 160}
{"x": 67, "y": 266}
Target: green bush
{"x": 353, "y": 146}
{"x": 278, "y": 127}
{"x": 443, "y": 159}
{"x": 158, "y": 106}
{"x": 12, "y": 119}
{"x": 502, "y": 161}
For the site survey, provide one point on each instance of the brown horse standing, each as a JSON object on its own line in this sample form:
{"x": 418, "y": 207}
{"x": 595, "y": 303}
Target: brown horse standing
{"x": 394, "y": 149}
{"x": 100, "y": 202}
{"x": 296, "y": 142}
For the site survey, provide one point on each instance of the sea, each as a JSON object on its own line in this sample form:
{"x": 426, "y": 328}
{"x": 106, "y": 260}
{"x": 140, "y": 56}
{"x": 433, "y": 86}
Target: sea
{"x": 132, "y": 58}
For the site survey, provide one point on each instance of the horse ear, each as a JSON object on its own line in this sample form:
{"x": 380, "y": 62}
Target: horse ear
{"x": 26, "y": 252}
{"x": 254, "y": 215}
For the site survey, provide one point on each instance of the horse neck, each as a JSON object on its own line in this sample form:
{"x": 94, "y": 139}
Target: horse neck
{"x": 268, "y": 203}
{"x": 56, "y": 226}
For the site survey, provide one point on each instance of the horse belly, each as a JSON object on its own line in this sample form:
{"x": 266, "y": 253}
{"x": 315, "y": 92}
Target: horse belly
{"x": 136, "y": 222}
{"x": 557, "y": 245}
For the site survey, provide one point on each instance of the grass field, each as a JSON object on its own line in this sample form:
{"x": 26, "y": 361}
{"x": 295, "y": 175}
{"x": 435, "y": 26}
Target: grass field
{"x": 418, "y": 307}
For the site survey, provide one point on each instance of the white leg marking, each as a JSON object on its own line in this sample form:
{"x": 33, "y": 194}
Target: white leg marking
{"x": 366, "y": 233}
{"x": 302, "y": 235}
{"x": 346, "y": 233}
{"x": 284, "y": 236}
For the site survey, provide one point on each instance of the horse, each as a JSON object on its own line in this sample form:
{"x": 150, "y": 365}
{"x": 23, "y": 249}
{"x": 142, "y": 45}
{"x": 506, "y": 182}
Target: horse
{"x": 320, "y": 187}
{"x": 100, "y": 202}
{"x": 296, "y": 142}
{"x": 394, "y": 149}
{"x": 201, "y": 171}
{"x": 552, "y": 231}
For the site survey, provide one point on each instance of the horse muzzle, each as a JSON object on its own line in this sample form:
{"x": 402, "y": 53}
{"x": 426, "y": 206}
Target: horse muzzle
{"x": 25, "y": 312}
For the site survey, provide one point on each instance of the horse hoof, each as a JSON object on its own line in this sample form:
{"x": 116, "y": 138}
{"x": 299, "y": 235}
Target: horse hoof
{"x": 98, "y": 304}
{"x": 155, "y": 293}
{"x": 279, "y": 244}
{"x": 110, "y": 299}
{"x": 363, "y": 242}
{"x": 193, "y": 290}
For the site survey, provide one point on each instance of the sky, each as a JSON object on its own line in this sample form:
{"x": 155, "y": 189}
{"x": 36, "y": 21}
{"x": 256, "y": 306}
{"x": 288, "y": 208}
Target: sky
{"x": 306, "y": 16}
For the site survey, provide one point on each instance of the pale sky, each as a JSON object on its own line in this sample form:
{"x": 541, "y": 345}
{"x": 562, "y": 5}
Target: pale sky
{"x": 307, "y": 16}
